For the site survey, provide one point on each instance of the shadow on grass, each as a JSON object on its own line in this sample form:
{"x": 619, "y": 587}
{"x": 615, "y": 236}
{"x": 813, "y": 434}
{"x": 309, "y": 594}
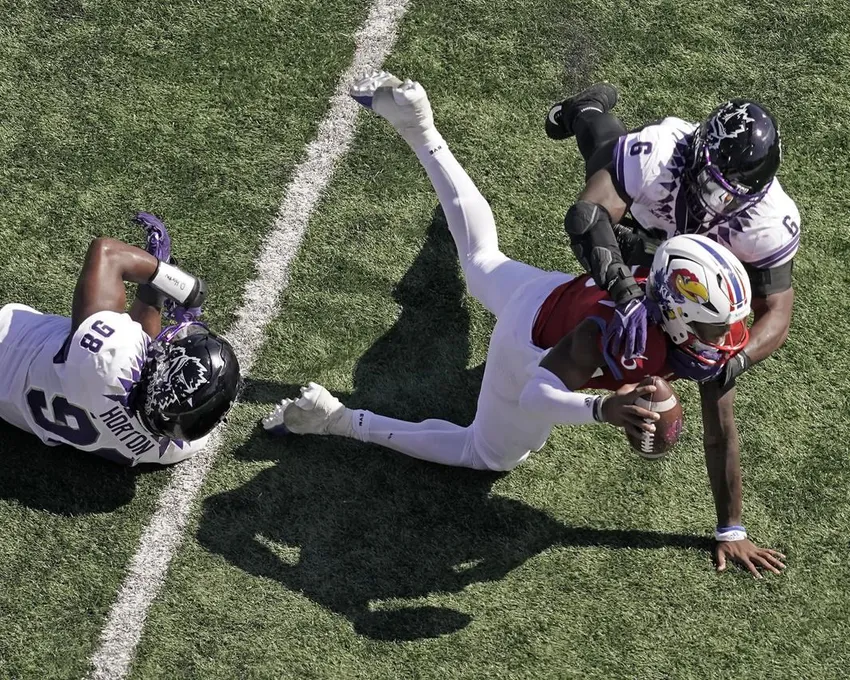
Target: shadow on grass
{"x": 355, "y": 535}
{"x": 355, "y": 528}
{"x": 60, "y": 479}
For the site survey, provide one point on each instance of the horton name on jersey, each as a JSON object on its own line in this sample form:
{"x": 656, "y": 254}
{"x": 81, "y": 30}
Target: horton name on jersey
{"x": 127, "y": 430}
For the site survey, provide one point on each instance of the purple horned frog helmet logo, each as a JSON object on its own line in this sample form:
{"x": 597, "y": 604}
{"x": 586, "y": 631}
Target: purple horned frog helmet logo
{"x": 731, "y": 120}
{"x": 176, "y": 379}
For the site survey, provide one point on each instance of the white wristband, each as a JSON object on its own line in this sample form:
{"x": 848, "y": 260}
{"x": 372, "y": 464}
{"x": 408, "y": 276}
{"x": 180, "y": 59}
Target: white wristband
{"x": 735, "y": 533}
{"x": 174, "y": 282}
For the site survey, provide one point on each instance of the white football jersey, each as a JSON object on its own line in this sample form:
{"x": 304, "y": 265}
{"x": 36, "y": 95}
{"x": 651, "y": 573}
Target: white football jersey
{"x": 73, "y": 389}
{"x": 649, "y": 166}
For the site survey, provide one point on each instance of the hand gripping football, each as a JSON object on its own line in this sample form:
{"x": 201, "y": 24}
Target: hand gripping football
{"x": 655, "y": 445}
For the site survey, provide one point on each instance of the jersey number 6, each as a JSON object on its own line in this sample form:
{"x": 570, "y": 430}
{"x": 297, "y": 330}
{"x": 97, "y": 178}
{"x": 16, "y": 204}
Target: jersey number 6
{"x": 639, "y": 148}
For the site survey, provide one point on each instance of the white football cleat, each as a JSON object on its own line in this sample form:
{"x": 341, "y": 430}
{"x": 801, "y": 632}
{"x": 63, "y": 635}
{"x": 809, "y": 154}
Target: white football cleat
{"x": 405, "y": 104}
{"x": 316, "y": 411}
{"x": 362, "y": 90}
{"x": 273, "y": 423}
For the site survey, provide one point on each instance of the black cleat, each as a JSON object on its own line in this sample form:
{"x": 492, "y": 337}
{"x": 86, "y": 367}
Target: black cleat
{"x": 559, "y": 120}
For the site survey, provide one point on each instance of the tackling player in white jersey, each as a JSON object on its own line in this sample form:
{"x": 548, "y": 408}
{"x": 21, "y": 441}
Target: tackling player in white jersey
{"x": 673, "y": 177}
{"x": 113, "y": 383}
{"x": 547, "y": 342}
{"x": 717, "y": 178}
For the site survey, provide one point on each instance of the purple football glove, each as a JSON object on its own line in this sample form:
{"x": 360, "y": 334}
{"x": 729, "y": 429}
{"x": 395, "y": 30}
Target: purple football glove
{"x": 158, "y": 241}
{"x": 181, "y": 314}
{"x": 159, "y": 245}
{"x": 686, "y": 366}
{"x": 625, "y": 334}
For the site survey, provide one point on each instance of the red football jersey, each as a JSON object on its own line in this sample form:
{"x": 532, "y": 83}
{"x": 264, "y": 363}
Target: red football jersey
{"x": 571, "y": 303}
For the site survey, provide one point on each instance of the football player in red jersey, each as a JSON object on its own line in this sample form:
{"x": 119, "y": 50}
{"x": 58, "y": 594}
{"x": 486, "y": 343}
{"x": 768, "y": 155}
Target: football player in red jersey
{"x": 669, "y": 177}
{"x": 547, "y": 342}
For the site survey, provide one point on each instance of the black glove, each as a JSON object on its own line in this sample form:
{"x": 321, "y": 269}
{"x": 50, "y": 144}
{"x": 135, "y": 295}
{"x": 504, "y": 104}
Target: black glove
{"x": 733, "y": 368}
{"x": 636, "y": 245}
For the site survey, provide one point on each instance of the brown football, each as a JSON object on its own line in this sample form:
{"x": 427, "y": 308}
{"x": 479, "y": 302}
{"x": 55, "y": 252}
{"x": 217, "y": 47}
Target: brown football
{"x": 654, "y": 445}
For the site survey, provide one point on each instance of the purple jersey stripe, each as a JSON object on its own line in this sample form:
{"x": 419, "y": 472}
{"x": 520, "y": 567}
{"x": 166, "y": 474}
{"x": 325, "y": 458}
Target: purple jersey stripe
{"x": 737, "y": 288}
{"x": 780, "y": 254}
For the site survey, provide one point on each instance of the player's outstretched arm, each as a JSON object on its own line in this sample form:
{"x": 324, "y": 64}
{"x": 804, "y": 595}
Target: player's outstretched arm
{"x": 771, "y": 323}
{"x": 567, "y": 367}
{"x": 723, "y": 461}
{"x": 110, "y": 263}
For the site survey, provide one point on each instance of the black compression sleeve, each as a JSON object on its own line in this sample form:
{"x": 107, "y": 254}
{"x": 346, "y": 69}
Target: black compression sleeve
{"x": 770, "y": 281}
{"x": 593, "y": 241}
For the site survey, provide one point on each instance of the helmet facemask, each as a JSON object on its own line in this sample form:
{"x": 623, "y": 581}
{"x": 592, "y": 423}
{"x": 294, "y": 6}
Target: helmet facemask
{"x": 714, "y": 193}
{"x": 717, "y": 352}
{"x": 734, "y": 156}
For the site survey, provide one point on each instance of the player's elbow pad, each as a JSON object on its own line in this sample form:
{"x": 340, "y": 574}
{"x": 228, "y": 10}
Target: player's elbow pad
{"x": 546, "y": 396}
{"x": 595, "y": 246}
{"x": 589, "y": 227}
{"x": 584, "y": 216}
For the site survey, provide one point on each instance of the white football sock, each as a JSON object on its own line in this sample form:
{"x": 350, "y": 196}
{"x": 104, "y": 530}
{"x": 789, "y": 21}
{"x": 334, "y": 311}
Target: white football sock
{"x": 437, "y": 441}
{"x": 491, "y": 276}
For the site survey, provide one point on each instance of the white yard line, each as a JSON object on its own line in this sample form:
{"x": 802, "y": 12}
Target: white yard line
{"x": 163, "y": 536}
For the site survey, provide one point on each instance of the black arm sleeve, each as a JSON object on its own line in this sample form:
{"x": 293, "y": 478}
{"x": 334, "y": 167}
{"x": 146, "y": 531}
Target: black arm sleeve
{"x": 770, "y": 281}
{"x": 637, "y": 245}
{"x": 592, "y": 240}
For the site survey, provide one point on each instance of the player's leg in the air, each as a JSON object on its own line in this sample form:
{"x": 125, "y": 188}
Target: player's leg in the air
{"x": 491, "y": 277}
{"x": 587, "y": 116}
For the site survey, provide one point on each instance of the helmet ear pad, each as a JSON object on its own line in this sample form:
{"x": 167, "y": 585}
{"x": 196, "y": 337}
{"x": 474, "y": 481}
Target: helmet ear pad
{"x": 188, "y": 385}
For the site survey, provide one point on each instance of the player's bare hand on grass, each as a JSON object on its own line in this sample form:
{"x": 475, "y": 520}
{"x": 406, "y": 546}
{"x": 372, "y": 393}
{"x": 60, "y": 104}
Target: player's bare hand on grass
{"x": 748, "y": 555}
{"x": 620, "y": 410}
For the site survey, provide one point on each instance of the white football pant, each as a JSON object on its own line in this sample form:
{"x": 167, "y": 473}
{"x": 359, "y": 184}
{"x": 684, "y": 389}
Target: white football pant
{"x": 502, "y": 435}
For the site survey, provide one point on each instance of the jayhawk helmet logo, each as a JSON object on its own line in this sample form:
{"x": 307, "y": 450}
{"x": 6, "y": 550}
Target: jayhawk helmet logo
{"x": 684, "y": 284}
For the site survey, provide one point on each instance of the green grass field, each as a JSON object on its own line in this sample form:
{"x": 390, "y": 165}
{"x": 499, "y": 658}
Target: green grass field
{"x": 326, "y": 558}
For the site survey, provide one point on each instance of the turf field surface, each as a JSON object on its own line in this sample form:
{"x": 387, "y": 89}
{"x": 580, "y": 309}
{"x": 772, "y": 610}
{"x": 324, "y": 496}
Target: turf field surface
{"x": 327, "y": 558}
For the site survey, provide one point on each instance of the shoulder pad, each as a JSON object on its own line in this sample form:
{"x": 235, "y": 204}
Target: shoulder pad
{"x": 105, "y": 357}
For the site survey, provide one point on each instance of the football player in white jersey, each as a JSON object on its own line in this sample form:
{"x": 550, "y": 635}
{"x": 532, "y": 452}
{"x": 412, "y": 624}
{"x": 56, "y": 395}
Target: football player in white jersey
{"x": 546, "y": 345}
{"x": 114, "y": 383}
{"x": 670, "y": 177}
{"x": 673, "y": 177}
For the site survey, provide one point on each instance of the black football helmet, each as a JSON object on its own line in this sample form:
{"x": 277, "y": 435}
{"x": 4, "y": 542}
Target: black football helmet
{"x": 188, "y": 384}
{"x": 734, "y": 157}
